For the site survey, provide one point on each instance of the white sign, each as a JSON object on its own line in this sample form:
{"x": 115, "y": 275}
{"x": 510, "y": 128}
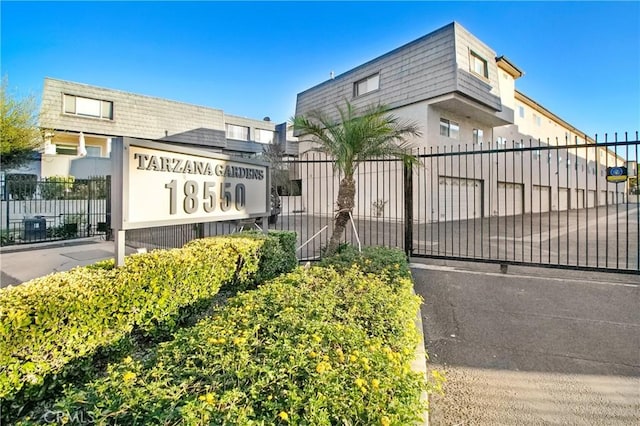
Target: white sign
{"x": 167, "y": 185}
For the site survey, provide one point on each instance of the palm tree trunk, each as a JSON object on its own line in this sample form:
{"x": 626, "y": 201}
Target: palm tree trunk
{"x": 345, "y": 202}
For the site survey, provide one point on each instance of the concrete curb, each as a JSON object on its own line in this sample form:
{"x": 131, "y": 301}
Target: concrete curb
{"x": 419, "y": 364}
{"x": 49, "y": 245}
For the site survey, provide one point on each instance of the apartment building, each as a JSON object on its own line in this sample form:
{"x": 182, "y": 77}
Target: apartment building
{"x": 81, "y": 121}
{"x": 463, "y": 97}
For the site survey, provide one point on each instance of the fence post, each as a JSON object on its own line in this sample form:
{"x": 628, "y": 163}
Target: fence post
{"x": 6, "y": 199}
{"x": 109, "y": 232}
{"x": 408, "y": 209}
{"x": 90, "y": 182}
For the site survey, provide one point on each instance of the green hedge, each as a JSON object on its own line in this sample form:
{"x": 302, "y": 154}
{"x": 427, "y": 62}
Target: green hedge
{"x": 313, "y": 347}
{"x": 50, "y": 321}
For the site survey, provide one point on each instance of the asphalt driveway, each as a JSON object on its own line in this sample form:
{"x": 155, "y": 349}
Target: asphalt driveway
{"x": 533, "y": 346}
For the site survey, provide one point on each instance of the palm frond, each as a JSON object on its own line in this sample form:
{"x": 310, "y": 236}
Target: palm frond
{"x": 358, "y": 136}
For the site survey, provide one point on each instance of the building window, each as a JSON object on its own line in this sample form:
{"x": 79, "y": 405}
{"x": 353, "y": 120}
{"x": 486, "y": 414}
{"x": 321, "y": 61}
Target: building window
{"x": 93, "y": 151}
{"x": 68, "y": 149}
{"x": 518, "y": 145}
{"x": 501, "y": 143}
{"x": 521, "y": 111}
{"x": 264, "y": 136}
{"x": 87, "y": 107}
{"x": 536, "y": 154}
{"x": 237, "y": 132}
{"x": 479, "y": 65}
{"x": 366, "y": 85}
{"x": 478, "y": 136}
{"x": 448, "y": 128}
{"x": 537, "y": 120}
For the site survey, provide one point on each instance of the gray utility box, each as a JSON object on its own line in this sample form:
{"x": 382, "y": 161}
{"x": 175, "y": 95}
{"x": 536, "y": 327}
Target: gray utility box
{"x": 35, "y": 228}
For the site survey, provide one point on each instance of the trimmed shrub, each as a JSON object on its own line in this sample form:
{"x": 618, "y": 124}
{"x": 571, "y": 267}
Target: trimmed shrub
{"x": 50, "y": 321}
{"x": 56, "y": 187}
{"x": 314, "y": 347}
{"x": 21, "y": 186}
{"x": 375, "y": 260}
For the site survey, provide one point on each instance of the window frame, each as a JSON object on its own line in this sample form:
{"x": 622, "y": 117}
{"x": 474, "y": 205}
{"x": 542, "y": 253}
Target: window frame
{"x": 537, "y": 120}
{"x": 259, "y": 131}
{"x": 478, "y": 136}
{"x": 473, "y": 56}
{"x": 448, "y": 126}
{"x": 103, "y": 114}
{"x": 227, "y": 135}
{"x": 357, "y": 93}
{"x": 67, "y": 149}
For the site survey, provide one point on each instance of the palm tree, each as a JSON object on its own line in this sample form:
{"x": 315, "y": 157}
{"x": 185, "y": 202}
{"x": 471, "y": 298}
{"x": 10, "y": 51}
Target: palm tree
{"x": 354, "y": 138}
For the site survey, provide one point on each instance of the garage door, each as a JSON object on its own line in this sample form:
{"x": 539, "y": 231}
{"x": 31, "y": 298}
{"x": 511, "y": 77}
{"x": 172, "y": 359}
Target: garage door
{"x": 603, "y": 198}
{"x": 509, "y": 198}
{"x": 592, "y": 198}
{"x": 563, "y": 198}
{"x": 459, "y": 198}
{"x": 541, "y": 199}
{"x": 580, "y": 198}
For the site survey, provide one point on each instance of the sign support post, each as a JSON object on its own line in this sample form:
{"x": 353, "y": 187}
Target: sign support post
{"x": 120, "y": 247}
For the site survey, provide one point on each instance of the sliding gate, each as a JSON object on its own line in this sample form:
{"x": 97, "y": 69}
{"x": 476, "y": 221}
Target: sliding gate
{"x": 530, "y": 203}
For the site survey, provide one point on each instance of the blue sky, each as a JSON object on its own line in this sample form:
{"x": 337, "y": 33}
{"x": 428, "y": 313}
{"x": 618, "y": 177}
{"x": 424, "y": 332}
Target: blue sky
{"x": 581, "y": 59}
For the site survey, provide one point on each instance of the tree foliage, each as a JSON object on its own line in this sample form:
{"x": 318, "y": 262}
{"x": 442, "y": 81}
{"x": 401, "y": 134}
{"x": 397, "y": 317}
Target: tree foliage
{"x": 356, "y": 136}
{"x": 19, "y": 131}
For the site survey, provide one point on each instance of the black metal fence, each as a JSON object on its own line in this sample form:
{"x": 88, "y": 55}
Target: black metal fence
{"x": 53, "y": 208}
{"x": 533, "y": 202}
{"x": 529, "y": 203}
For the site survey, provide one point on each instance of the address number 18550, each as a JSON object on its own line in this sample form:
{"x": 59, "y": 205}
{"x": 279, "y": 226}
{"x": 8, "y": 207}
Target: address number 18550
{"x": 194, "y": 197}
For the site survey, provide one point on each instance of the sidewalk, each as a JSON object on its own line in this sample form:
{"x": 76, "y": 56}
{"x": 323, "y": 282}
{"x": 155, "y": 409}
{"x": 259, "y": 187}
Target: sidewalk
{"x": 20, "y": 263}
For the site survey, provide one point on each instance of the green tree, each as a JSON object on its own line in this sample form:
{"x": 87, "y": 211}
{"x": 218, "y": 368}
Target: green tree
{"x": 357, "y": 136}
{"x": 19, "y": 131}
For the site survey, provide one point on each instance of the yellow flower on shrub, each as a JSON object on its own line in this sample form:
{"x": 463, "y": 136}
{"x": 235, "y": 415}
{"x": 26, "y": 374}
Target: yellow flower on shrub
{"x": 384, "y": 421}
{"x": 208, "y": 398}
{"x": 284, "y": 416}
{"x": 375, "y": 383}
{"x": 322, "y": 367}
{"x": 239, "y": 341}
{"x": 360, "y": 382}
{"x": 129, "y": 376}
